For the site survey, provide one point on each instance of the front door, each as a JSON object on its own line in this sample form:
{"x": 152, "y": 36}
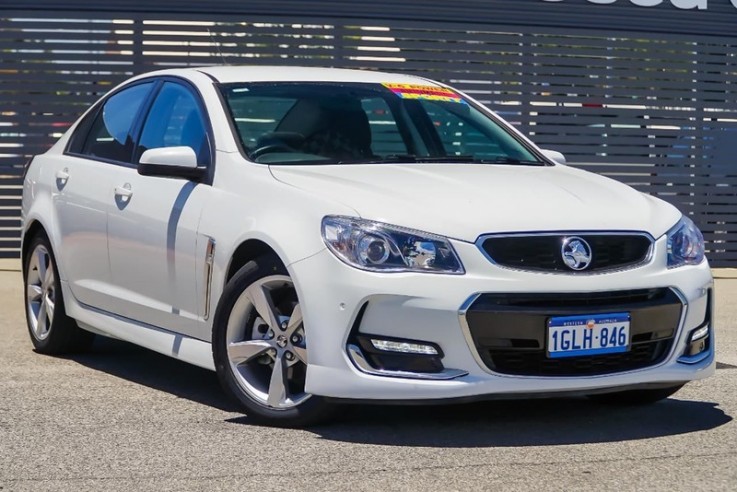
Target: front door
{"x": 155, "y": 255}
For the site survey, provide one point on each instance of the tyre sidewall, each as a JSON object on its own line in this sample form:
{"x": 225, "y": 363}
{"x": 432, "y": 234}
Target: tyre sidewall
{"x": 313, "y": 410}
{"x": 63, "y": 329}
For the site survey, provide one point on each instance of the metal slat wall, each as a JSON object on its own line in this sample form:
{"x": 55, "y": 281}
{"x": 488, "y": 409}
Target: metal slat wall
{"x": 654, "y": 110}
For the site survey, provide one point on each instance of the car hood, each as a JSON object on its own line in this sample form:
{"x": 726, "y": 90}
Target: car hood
{"x": 464, "y": 201}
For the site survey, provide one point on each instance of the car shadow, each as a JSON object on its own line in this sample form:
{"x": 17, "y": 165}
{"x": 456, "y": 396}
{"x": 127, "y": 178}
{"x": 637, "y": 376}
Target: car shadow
{"x": 482, "y": 424}
{"x": 520, "y": 423}
{"x": 142, "y": 366}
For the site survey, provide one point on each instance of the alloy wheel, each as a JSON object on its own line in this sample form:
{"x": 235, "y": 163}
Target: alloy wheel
{"x": 265, "y": 340}
{"x": 40, "y": 292}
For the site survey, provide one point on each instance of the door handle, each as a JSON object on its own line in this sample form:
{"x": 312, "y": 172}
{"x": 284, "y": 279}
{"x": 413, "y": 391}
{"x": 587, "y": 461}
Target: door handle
{"x": 124, "y": 192}
{"x": 62, "y": 177}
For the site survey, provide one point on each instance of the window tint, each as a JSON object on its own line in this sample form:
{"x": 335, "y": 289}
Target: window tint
{"x": 461, "y": 131}
{"x": 259, "y": 116}
{"x": 385, "y": 136}
{"x": 349, "y": 123}
{"x": 109, "y": 137}
{"x": 175, "y": 120}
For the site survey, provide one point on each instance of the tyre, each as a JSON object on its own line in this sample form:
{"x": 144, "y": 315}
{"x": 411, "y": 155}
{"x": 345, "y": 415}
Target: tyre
{"x": 259, "y": 347}
{"x": 636, "y": 397}
{"x": 52, "y": 331}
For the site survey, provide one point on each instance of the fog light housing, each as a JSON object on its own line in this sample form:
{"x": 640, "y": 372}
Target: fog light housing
{"x": 699, "y": 341}
{"x": 403, "y": 347}
{"x": 400, "y": 354}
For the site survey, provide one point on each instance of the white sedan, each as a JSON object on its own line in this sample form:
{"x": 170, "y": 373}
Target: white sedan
{"x": 323, "y": 235}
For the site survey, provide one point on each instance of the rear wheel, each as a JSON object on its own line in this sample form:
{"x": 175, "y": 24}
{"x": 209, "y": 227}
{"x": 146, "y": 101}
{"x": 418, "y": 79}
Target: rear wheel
{"x": 636, "y": 397}
{"x": 52, "y": 331}
{"x": 259, "y": 345}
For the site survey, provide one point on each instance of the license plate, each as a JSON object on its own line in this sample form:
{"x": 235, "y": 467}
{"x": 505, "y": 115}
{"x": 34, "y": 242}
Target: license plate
{"x": 572, "y": 336}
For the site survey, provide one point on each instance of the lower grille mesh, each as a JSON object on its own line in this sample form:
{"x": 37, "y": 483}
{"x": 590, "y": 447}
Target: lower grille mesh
{"x": 536, "y": 363}
{"x": 510, "y": 330}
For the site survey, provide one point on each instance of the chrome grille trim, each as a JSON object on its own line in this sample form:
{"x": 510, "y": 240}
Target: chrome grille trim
{"x": 646, "y": 259}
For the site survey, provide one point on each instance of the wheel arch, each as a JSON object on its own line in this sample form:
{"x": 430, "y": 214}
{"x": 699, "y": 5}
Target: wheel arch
{"x": 34, "y": 227}
{"x": 248, "y": 250}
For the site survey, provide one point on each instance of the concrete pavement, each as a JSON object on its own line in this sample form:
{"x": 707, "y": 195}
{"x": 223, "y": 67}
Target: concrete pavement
{"x": 123, "y": 418}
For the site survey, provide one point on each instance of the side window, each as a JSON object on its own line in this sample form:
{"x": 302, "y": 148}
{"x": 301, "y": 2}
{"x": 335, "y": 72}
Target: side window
{"x": 175, "y": 120}
{"x": 109, "y": 136}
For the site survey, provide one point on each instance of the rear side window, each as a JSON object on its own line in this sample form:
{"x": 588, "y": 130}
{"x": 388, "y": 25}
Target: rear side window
{"x": 109, "y": 136}
{"x": 175, "y": 119}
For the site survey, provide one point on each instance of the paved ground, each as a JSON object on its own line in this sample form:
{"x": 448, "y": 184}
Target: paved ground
{"x": 122, "y": 418}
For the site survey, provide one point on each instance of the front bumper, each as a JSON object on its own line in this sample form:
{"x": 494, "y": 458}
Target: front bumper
{"x": 428, "y": 307}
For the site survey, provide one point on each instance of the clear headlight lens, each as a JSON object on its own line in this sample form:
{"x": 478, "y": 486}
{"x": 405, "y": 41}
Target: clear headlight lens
{"x": 685, "y": 244}
{"x": 380, "y": 247}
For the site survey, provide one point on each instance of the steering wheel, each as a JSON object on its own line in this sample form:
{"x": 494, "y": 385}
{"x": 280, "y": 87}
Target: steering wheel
{"x": 268, "y": 149}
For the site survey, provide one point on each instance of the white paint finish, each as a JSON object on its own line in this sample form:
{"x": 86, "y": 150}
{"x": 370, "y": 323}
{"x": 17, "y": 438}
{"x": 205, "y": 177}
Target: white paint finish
{"x": 152, "y": 247}
{"x": 174, "y": 345}
{"x": 170, "y": 156}
{"x": 230, "y": 74}
{"x": 165, "y": 342}
{"x": 80, "y": 203}
{"x": 554, "y": 155}
{"x": 339, "y": 383}
{"x": 425, "y": 306}
{"x": 466, "y": 201}
{"x": 158, "y": 230}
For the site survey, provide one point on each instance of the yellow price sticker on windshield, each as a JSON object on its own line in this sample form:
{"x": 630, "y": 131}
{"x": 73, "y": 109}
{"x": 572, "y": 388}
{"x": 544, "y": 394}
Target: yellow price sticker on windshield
{"x": 426, "y": 92}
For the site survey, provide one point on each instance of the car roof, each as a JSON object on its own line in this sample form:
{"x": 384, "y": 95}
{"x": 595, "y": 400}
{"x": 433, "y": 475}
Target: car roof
{"x": 245, "y": 73}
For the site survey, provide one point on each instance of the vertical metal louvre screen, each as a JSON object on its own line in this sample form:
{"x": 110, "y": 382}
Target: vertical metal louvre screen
{"x": 656, "y": 111}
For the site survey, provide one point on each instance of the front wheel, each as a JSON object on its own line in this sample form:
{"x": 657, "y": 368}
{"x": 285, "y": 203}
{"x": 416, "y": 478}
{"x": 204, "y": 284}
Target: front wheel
{"x": 260, "y": 346}
{"x": 636, "y": 397}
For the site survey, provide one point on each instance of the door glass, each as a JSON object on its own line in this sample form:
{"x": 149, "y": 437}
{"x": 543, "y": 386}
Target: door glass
{"x": 175, "y": 120}
{"x": 109, "y": 137}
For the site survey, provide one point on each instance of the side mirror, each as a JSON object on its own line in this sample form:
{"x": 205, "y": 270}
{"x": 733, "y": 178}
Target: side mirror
{"x": 554, "y": 155}
{"x": 170, "y": 162}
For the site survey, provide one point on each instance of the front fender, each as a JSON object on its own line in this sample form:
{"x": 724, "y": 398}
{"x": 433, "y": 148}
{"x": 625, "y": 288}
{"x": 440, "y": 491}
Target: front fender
{"x": 248, "y": 203}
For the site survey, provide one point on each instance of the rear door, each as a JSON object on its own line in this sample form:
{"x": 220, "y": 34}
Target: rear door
{"x": 83, "y": 191}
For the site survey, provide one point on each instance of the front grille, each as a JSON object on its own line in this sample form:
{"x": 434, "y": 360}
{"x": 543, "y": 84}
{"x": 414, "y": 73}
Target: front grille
{"x": 509, "y": 330}
{"x": 537, "y": 364}
{"x": 543, "y": 252}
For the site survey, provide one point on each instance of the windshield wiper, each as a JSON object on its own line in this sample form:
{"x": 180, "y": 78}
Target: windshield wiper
{"x": 473, "y": 160}
{"x": 509, "y": 160}
{"x": 382, "y": 160}
{"x": 411, "y": 158}
{"x": 446, "y": 158}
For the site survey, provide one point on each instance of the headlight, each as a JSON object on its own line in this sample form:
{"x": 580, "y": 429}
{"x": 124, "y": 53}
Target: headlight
{"x": 383, "y": 248}
{"x": 685, "y": 244}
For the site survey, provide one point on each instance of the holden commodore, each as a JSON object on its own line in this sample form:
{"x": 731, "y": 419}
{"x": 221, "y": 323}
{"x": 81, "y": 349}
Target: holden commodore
{"x": 318, "y": 236}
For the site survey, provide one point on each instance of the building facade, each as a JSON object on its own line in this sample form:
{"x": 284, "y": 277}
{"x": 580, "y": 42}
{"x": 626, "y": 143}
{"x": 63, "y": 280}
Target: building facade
{"x": 644, "y": 91}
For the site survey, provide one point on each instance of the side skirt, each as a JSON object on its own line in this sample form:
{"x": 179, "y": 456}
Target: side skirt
{"x": 165, "y": 342}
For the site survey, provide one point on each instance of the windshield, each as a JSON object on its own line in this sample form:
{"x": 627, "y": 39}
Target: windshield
{"x": 342, "y": 123}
